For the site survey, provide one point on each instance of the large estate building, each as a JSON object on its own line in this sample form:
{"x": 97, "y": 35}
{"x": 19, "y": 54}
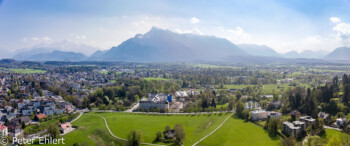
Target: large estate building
{"x": 156, "y": 101}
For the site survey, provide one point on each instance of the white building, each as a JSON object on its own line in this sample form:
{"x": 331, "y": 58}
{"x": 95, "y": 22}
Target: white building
{"x": 295, "y": 128}
{"x": 258, "y": 115}
{"x": 155, "y": 101}
{"x": 273, "y": 114}
{"x": 340, "y": 122}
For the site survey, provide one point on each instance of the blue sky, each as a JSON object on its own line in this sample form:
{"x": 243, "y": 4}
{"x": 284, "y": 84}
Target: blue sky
{"x": 283, "y": 25}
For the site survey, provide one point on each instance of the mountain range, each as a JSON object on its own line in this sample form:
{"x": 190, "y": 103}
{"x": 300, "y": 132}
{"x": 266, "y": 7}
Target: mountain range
{"x": 160, "y": 45}
{"x": 164, "y": 45}
{"x": 342, "y": 53}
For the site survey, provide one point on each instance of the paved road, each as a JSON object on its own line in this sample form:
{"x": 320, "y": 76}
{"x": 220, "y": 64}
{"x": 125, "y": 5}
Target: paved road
{"x": 81, "y": 113}
{"x": 213, "y": 130}
{"x": 328, "y": 127}
{"x": 133, "y": 108}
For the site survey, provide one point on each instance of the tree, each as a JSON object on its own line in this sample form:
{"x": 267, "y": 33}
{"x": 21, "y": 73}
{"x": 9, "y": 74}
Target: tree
{"x": 272, "y": 126}
{"x": 346, "y": 95}
{"x": 179, "y": 133}
{"x": 314, "y": 141}
{"x": 134, "y": 138}
{"x": 334, "y": 141}
{"x": 213, "y": 104}
{"x": 231, "y": 104}
{"x": 23, "y": 125}
{"x": 159, "y": 136}
{"x": 289, "y": 141}
{"x": 167, "y": 128}
{"x": 239, "y": 108}
{"x": 53, "y": 131}
{"x": 275, "y": 96}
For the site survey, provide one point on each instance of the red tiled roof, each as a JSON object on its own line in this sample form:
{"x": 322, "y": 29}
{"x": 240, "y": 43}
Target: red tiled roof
{"x": 2, "y": 127}
{"x": 66, "y": 125}
{"x": 40, "y": 116}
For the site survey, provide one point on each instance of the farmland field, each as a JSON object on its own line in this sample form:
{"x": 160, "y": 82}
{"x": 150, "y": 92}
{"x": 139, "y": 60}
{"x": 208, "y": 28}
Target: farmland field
{"x": 26, "y": 71}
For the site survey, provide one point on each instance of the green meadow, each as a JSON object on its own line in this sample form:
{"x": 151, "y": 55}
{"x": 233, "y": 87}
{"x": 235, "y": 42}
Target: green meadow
{"x": 26, "y": 71}
{"x": 238, "y": 132}
{"x": 92, "y": 131}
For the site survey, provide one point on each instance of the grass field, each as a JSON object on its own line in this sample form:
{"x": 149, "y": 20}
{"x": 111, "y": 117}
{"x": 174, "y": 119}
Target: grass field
{"x": 334, "y": 133}
{"x": 240, "y": 133}
{"x": 268, "y": 88}
{"x": 196, "y": 126}
{"x": 91, "y": 131}
{"x": 26, "y": 71}
{"x": 158, "y": 79}
{"x": 237, "y": 86}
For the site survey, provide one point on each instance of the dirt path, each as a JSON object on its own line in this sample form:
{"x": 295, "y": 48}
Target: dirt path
{"x": 213, "y": 130}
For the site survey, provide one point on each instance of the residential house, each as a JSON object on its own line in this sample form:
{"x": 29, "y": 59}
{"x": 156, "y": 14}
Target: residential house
{"x": 40, "y": 116}
{"x": 308, "y": 120}
{"x": 26, "y": 119}
{"x": 66, "y": 127}
{"x": 273, "y": 114}
{"x": 27, "y": 110}
{"x": 15, "y": 127}
{"x": 295, "y": 128}
{"x": 170, "y": 134}
{"x": 3, "y": 130}
{"x": 340, "y": 122}
{"x": 326, "y": 117}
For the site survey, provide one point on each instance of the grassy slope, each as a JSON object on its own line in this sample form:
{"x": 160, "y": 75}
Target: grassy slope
{"x": 334, "y": 133}
{"x": 238, "y": 132}
{"x": 196, "y": 126}
{"x": 91, "y": 131}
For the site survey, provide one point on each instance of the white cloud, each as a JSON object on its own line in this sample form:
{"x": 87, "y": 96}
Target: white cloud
{"x": 238, "y": 32}
{"x": 194, "y": 20}
{"x": 36, "y": 39}
{"x": 335, "y": 19}
{"x": 80, "y": 36}
{"x": 343, "y": 33}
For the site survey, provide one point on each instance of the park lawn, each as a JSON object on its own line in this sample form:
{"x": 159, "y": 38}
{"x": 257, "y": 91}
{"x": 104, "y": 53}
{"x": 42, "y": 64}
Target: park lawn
{"x": 271, "y": 88}
{"x": 238, "y": 132}
{"x": 26, "y": 71}
{"x": 91, "y": 131}
{"x": 334, "y": 133}
{"x": 158, "y": 79}
{"x": 237, "y": 86}
{"x": 195, "y": 126}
